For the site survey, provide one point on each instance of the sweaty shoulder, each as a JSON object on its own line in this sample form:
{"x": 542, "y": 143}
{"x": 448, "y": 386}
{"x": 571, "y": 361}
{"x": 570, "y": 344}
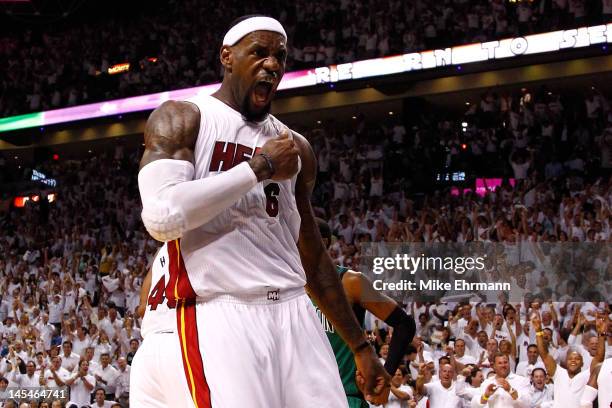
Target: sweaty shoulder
{"x": 171, "y": 132}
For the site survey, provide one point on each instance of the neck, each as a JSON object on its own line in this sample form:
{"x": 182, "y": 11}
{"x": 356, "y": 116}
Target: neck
{"x": 225, "y": 95}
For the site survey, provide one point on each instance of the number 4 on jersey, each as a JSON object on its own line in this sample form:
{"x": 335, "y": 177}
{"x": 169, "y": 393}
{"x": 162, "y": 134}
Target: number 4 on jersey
{"x": 157, "y": 297}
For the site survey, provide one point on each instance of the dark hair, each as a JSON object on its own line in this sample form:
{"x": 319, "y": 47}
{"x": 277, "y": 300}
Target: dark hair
{"x": 499, "y": 354}
{"x": 68, "y": 342}
{"x": 402, "y": 369}
{"x": 473, "y": 372}
{"x": 531, "y": 345}
{"x": 100, "y": 389}
{"x": 411, "y": 349}
{"x": 506, "y": 309}
{"x": 538, "y": 369}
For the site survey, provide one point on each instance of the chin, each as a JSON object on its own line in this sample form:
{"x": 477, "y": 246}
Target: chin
{"x": 254, "y": 116}
{"x": 251, "y": 115}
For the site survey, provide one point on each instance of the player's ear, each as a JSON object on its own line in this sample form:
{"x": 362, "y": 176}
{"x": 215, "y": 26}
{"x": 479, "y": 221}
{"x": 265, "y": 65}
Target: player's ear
{"x": 226, "y": 57}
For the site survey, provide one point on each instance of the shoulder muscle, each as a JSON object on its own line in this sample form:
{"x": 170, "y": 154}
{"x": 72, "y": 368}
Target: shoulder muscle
{"x": 171, "y": 132}
{"x": 308, "y": 174}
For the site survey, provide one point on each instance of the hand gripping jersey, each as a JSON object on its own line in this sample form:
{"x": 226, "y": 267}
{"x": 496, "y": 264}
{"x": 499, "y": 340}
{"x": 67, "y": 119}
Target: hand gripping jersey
{"x": 251, "y": 246}
{"x": 160, "y": 314}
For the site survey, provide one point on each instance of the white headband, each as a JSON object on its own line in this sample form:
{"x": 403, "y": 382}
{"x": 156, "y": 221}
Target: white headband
{"x": 249, "y": 25}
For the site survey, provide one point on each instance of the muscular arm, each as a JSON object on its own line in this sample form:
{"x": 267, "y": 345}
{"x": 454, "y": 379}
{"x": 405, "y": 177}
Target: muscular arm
{"x": 171, "y": 132}
{"x": 322, "y": 280}
{"x": 359, "y": 290}
{"x": 324, "y": 286}
{"x": 172, "y": 201}
{"x": 549, "y": 362}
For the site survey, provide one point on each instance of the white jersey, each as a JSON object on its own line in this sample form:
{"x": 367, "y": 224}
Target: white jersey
{"x": 250, "y": 247}
{"x": 158, "y": 315}
{"x": 603, "y": 384}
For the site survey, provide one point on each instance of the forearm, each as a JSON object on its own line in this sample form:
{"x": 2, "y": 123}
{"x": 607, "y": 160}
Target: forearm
{"x": 325, "y": 287}
{"x": 404, "y": 329}
{"x": 601, "y": 350}
{"x": 420, "y": 384}
{"x": 401, "y": 395}
{"x": 88, "y": 385}
{"x": 58, "y": 380}
{"x": 174, "y": 203}
{"x": 549, "y": 363}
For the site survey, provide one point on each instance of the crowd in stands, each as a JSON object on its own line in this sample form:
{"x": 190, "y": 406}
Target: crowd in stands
{"x": 71, "y": 270}
{"x": 65, "y": 64}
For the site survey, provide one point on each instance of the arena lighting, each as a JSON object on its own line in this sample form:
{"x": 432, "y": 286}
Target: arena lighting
{"x": 123, "y": 67}
{"x": 20, "y": 202}
{"x": 554, "y": 41}
{"x": 118, "y": 68}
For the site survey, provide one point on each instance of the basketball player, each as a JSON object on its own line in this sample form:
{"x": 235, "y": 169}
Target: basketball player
{"x": 362, "y": 296}
{"x": 154, "y": 374}
{"x": 228, "y": 186}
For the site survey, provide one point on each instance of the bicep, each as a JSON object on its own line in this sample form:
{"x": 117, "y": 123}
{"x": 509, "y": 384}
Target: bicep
{"x": 171, "y": 132}
{"x": 307, "y": 177}
{"x": 304, "y": 186}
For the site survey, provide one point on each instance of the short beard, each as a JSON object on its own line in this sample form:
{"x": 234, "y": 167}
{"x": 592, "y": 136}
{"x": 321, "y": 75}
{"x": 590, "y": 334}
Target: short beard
{"x": 251, "y": 116}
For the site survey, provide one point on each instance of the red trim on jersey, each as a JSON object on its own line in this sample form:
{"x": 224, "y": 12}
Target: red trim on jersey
{"x": 180, "y": 291}
{"x": 190, "y": 352}
{"x": 178, "y": 286}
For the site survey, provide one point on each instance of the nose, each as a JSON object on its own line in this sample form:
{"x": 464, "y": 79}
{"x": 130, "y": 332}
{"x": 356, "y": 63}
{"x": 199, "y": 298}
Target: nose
{"x": 272, "y": 65}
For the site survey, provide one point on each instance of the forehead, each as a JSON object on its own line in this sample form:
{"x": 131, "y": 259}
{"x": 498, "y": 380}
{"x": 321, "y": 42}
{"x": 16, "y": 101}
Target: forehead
{"x": 270, "y": 39}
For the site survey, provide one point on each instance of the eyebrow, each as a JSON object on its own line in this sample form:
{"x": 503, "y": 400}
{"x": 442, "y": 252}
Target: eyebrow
{"x": 257, "y": 44}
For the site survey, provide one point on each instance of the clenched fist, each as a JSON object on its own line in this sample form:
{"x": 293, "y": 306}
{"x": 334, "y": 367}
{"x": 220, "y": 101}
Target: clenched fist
{"x": 283, "y": 154}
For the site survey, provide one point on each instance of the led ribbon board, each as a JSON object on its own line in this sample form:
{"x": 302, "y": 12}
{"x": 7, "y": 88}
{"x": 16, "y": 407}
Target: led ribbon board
{"x": 464, "y": 54}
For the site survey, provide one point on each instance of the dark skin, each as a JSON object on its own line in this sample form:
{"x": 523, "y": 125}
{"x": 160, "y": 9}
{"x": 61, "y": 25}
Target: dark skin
{"x": 144, "y": 293}
{"x": 171, "y": 133}
{"x": 358, "y": 288}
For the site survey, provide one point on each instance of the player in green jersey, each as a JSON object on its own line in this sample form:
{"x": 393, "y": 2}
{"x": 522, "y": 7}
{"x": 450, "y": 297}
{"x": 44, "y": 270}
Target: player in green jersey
{"x": 362, "y": 296}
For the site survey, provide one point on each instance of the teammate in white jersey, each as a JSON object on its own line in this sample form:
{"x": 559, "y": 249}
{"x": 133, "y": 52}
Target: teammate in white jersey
{"x": 151, "y": 386}
{"x": 228, "y": 186}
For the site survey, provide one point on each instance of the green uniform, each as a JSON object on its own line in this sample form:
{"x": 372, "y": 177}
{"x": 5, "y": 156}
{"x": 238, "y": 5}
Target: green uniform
{"x": 344, "y": 356}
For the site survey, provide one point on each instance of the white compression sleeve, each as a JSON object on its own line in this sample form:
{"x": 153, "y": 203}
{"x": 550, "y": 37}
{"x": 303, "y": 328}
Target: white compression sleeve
{"x": 172, "y": 202}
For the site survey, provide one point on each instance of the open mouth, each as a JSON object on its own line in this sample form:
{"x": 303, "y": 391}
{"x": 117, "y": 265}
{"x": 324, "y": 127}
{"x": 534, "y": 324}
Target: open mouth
{"x": 261, "y": 93}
